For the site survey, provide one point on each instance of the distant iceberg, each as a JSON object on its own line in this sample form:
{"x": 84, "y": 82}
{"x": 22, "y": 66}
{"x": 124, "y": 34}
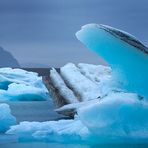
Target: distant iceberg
{"x": 127, "y": 56}
{"x": 20, "y": 85}
{"x": 6, "y": 119}
{"x": 23, "y": 92}
{"x": 19, "y": 76}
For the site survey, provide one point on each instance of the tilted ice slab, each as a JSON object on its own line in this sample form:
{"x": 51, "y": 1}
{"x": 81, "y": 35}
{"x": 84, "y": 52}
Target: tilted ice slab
{"x": 86, "y": 81}
{"x": 81, "y": 81}
{"x": 119, "y": 117}
{"x": 18, "y": 84}
{"x": 59, "y": 84}
{"x": 125, "y": 54}
{"x": 6, "y": 119}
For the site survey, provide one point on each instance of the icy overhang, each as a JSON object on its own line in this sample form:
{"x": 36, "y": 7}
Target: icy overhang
{"x": 127, "y": 56}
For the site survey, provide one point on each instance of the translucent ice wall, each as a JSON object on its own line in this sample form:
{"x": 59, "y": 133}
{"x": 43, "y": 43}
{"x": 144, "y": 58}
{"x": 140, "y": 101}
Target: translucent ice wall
{"x": 126, "y": 55}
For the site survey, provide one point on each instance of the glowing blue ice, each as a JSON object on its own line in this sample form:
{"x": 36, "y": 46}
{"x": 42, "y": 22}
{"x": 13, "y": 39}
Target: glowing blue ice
{"x": 124, "y": 53}
{"x": 119, "y": 116}
{"x": 6, "y": 119}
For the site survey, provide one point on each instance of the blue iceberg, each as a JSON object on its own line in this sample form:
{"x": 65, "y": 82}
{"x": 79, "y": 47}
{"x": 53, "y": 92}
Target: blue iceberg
{"x": 117, "y": 118}
{"x": 21, "y": 85}
{"x": 127, "y": 56}
{"x": 22, "y": 92}
{"x": 120, "y": 114}
{"x": 6, "y": 118}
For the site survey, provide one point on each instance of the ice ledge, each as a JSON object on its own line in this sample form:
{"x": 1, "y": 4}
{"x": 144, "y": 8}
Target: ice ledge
{"x": 122, "y": 35}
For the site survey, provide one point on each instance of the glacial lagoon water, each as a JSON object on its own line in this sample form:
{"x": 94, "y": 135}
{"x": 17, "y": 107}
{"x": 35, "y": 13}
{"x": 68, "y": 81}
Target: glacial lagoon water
{"x": 9, "y": 142}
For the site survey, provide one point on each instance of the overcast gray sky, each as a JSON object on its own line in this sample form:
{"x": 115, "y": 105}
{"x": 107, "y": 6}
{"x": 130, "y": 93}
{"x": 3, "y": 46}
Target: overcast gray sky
{"x": 43, "y": 31}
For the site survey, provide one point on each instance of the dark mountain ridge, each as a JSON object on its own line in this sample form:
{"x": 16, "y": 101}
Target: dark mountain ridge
{"x": 7, "y": 60}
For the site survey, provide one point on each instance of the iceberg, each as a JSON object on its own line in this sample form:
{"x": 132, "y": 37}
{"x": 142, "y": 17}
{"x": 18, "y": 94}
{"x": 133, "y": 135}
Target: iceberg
{"x": 9, "y": 75}
{"x": 18, "y": 84}
{"x": 60, "y": 85}
{"x": 50, "y": 131}
{"x": 119, "y": 115}
{"x": 22, "y": 92}
{"x": 127, "y": 56}
{"x": 73, "y": 84}
{"x": 6, "y": 119}
{"x": 117, "y": 118}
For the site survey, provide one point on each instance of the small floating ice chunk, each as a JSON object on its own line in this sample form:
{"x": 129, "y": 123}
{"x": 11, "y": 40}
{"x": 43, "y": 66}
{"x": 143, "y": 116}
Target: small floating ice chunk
{"x": 6, "y": 119}
{"x": 9, "y": 75}
{"x": 55, "y": 131}
{"x": 18, "y": 84}
{"x": 22, "y": 92}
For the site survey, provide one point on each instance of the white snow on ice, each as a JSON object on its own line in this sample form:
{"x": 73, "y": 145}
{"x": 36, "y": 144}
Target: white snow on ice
{"x": 81, "y": 84}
